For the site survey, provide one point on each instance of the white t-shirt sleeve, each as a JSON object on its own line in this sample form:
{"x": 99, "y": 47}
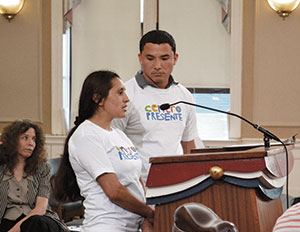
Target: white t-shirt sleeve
{"x": 91, "y": 155}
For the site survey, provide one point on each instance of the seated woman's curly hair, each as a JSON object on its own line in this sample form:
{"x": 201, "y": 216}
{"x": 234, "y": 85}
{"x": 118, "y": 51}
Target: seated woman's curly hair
{"x": 9, "y": 147}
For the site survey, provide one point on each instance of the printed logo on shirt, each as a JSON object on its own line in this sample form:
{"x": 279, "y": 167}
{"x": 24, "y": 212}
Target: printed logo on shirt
{"x": 153, "y": 112}
{"x": 129, "y": 153}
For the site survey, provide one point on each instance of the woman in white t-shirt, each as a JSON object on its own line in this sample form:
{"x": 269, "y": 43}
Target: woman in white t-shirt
{"x": 101, "y": 164}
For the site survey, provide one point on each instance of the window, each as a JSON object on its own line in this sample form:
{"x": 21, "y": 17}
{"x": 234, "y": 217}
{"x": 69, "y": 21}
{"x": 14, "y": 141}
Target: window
{"x": 234, "y": 57}
{"x": 212, "y": 125}
{"x": 67, "y": 76}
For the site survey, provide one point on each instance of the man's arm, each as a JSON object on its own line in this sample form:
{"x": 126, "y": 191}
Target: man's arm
{"x": 187, "y": 146}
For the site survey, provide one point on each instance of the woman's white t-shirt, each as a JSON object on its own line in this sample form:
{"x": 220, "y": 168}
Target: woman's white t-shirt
{"x": 94, "y": 151}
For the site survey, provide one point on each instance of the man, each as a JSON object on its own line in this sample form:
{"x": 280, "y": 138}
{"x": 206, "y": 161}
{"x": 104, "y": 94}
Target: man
{"x": 153, "y": 131}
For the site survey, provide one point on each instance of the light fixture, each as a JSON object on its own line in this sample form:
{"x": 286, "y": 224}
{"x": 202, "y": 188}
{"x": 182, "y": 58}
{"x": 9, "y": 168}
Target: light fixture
{"x": 283, "y": 7}
{"x": 9, "y": 8}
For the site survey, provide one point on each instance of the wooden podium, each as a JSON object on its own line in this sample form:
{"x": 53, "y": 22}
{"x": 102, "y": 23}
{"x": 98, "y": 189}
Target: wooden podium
{"x": 241, "y": 184}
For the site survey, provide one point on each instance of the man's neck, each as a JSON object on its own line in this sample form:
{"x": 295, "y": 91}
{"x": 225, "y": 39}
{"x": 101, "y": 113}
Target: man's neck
{"x": 159, "y": 85}
{"x": 142, "y": 82}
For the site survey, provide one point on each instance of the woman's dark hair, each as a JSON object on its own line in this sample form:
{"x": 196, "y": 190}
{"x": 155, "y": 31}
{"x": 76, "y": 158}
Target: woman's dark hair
{"x": 95, "y": 88}
{"x": 10, "y": 141}
{"x": 157, "y": 37}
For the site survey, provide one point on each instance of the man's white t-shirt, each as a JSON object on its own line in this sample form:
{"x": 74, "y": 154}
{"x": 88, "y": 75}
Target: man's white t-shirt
{"x": 94, "y": 151}
{"x": 153, "y": 131}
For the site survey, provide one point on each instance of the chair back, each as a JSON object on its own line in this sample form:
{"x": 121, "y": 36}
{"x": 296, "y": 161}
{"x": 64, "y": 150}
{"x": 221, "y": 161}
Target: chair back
{"x": 68, "y": 210}
{"x": 54, "y": 165}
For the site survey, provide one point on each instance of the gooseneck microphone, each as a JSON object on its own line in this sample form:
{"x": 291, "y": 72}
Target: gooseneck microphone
{"x": 267, "y": 134}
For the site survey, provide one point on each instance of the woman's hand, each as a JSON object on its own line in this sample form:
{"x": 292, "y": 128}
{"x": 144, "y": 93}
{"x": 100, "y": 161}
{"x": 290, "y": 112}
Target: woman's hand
{"x": 150, "y": 216}
{"x": 15, "y": 228}
{"x": 40, "y": 209}
{"x": 147, "y": 226}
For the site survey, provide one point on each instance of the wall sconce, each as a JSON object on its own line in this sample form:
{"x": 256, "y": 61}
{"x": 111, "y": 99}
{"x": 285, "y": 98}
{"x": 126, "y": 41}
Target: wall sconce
{"x": 10, "y": 8}
{"x": 283, "y": 7}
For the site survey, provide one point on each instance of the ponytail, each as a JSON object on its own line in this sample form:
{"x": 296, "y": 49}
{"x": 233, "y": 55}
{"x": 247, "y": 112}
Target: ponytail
{"x": 64, "y": 183}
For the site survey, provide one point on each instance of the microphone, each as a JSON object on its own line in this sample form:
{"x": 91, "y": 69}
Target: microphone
{"x": 267, "y": 134}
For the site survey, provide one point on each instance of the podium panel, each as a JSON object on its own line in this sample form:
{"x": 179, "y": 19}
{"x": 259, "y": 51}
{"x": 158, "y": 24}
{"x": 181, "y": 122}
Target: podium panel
{"x": 246, "y": 191}
{"x": 239, "y": 205}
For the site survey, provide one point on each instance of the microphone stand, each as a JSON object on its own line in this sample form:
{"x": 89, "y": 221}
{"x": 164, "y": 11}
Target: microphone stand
{"x": 267, "y": 134}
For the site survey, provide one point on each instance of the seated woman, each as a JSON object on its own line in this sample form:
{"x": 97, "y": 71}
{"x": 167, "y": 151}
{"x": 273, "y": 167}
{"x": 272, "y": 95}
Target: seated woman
{"x": 106, "y": 163}
{"x": 24, "y": 181}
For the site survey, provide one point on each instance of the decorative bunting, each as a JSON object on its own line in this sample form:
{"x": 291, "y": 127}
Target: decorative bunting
{"x": 226, "y": 13}
{"x": 69, "y": 5}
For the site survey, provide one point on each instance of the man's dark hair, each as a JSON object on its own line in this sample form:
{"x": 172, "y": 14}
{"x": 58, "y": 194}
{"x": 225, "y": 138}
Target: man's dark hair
{"x": 157, "y": 37}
